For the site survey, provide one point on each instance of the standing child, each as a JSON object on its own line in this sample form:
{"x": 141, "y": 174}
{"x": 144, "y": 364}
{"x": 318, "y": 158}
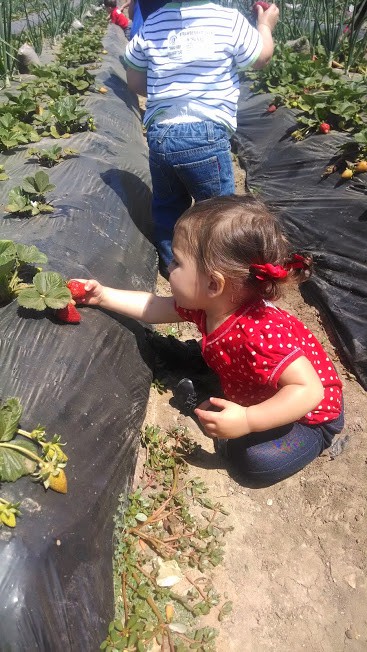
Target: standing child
{"x": 283, "y": 398}
{"x": 185, "y": 59}
{"x": 117, "y": 16}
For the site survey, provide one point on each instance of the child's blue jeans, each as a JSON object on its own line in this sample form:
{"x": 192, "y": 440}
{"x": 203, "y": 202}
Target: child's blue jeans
{"x": 187, "y": 161}
{"x": 264, "y": 458}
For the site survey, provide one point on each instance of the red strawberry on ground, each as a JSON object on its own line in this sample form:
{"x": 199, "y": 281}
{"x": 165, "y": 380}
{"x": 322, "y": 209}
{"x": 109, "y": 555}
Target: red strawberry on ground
{"x": 77, "y": 289}
{"x": 271, "y": 108}
{"x": 324, "y": 128}
{"x": 69, "y": 314}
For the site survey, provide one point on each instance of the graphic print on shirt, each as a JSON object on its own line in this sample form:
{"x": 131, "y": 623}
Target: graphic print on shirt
{"x": 187, "y": 45}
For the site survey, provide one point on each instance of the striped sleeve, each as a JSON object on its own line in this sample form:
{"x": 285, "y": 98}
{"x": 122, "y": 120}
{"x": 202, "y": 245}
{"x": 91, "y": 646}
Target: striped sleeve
{"x": 135, "y": 53}
{"x": 247, "y": 42}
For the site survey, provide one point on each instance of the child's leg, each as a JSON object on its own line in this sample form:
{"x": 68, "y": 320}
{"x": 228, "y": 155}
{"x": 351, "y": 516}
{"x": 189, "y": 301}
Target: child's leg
{"x": 170, "y": 197}
{"x": 187, "y": 160}
{"x": 268, "y": 457}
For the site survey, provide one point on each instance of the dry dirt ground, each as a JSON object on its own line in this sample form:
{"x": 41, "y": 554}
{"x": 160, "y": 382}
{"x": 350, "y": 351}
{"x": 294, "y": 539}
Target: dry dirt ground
{"x": 295, "y": 561}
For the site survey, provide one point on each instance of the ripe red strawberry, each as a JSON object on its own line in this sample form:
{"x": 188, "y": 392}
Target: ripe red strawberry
{"x": 69, "y": 314}
{"x": 77, "y": 289}
{"x": 324, "y": 128}
{"x": 263, "y": 5}
{"x": 271, "y": 108}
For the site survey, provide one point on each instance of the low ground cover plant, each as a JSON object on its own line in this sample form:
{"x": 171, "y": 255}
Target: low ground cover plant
{"x": 168, "y": 534}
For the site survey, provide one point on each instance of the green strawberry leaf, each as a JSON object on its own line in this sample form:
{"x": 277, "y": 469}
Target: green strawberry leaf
{"x": 10, "y": 413}
{"x": 54, "y": 132}
{"x": 42, "y": 182}
{"x": 29, "y": 186}
{"x": 3, "y": 176}
{"x": 30, "y": 298}
{"x": 58, "y": 298}
{"x": 29, "y": 254}
{"x": 49, "y": 291}
{"x": 14, "y": 464}
{"x": 7, "y": 251}
{"x": 45, "y": 208}
{"x": 46, "y": 281}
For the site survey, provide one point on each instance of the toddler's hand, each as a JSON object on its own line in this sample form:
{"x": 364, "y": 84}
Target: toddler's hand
{"x": 229, "y": 423}
{"x": 268, "y": 17}
{"x": 94, "y": 292}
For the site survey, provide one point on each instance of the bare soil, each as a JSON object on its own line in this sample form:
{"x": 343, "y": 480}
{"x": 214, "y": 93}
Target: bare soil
{"x": 295, "y": 562}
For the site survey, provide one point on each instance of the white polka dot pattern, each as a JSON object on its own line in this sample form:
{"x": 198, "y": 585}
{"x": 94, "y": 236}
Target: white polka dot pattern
{"x": 251, "y": 350}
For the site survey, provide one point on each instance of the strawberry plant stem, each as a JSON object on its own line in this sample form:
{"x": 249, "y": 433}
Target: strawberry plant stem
{"x": 24, "y": 451}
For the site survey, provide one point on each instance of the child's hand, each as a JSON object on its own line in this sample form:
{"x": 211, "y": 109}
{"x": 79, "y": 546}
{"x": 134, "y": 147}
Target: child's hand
{"x": 229, "y": 423}
{"x": 94, "y": 292}
{"x": 268, "y": 17}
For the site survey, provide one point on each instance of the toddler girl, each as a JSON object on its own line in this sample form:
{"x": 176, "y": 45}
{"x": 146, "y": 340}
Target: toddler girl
{"x": 283, "y": 398}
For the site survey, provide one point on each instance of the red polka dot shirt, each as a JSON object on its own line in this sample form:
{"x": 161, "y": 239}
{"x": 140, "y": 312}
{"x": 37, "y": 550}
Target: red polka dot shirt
{"x": 253, "y": 347}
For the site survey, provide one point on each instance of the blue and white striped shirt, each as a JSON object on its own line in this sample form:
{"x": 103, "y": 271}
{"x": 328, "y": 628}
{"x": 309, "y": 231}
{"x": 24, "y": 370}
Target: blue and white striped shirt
{"x": 191, "y": 52}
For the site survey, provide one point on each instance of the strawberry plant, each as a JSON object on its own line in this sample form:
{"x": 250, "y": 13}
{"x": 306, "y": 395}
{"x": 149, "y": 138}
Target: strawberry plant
{"x": 3, "y": 175}
{"x": 69, "y": 116}
{"x": 27, "y": 453}
{"x": 81, "y": 47}
{"x": 13, "y": 132}
{"x": 52, "y": 155}
{"x": 47, "y": 290}
{"x": 29, "y": 198}
{"x": 21, "y": 106}
{"x": 56, "y": 80}
{"x": 17, "y": 267}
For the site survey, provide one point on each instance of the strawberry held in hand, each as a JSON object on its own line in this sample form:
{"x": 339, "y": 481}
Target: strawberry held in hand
{"x": 69, "y": 314}
{"x": 263, "y": 5}
{"x": 77, "y": 289}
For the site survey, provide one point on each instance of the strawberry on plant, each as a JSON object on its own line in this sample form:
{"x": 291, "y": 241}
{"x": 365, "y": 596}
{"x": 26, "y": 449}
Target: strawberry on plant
{"x": 361, "y": 166}
{"x": 8, "y": 513}
{"x": 52, "y": 475}
{"x": 69, "y": 314}
{"x": 347, "y": 174}
{"x": 58, "y": 482}
{"x": 324, "y": 128}
{"x": 271, "y": 108}
{"x": 77, "y": 289}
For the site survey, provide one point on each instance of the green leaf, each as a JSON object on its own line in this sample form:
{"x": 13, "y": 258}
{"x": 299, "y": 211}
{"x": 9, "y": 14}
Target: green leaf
{"x": 31, "y": 299}
{"x": 3, "y": 176}
{"x": 44, "y": 282}
{"x": 10, "y": 413}
{"x": 42, "y": 182}
{"x": 58, "y": 298}
{"x": 29, "y": 186}
{"x": 7, "y": 251}
{"x": 54, "y": 132}
{"x": 29, "y": 254}
{"x": 46, "y": 208}
{"x": 13, "y": 464}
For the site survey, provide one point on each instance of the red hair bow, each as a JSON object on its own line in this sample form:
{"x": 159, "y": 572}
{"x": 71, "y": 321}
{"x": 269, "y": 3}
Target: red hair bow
{"x": 297, "y": 262}
{"x": 264, "y": 272}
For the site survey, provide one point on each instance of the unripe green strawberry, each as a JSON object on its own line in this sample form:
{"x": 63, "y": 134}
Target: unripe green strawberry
{"x": 58, "y": 482}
